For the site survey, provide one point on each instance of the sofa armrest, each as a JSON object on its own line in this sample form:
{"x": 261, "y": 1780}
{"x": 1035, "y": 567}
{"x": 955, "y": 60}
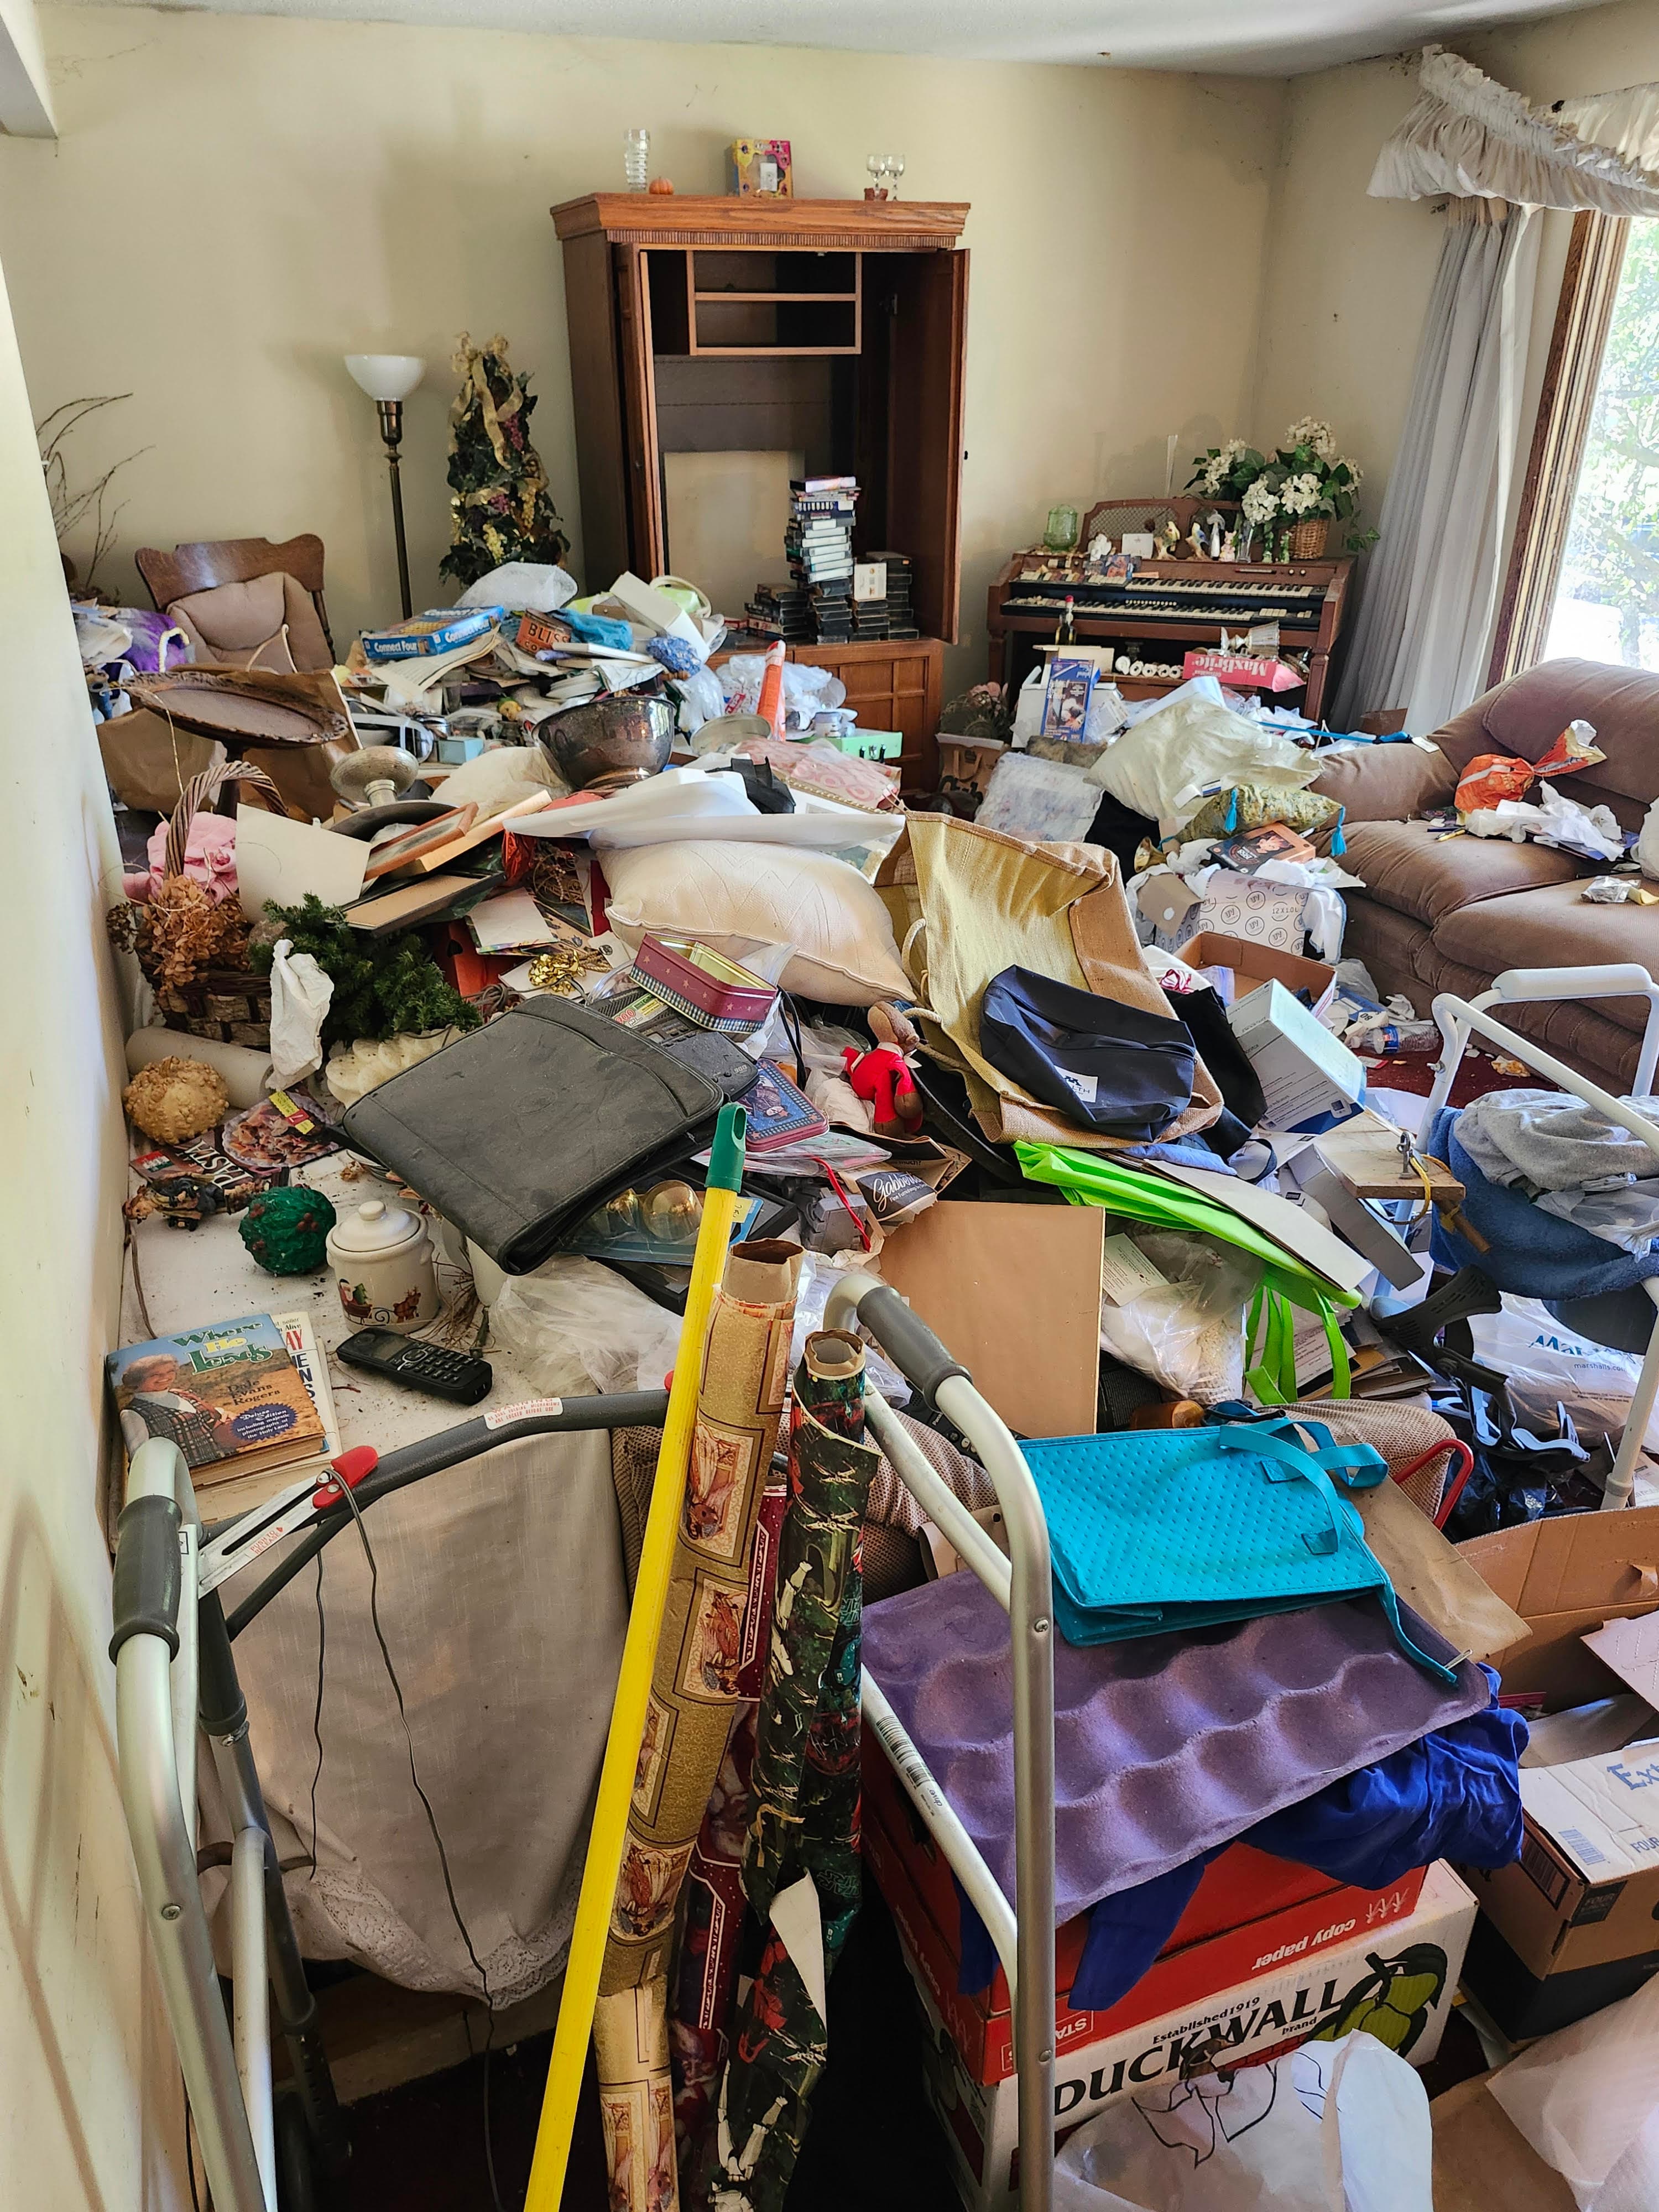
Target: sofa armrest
{"x": 1388, "y": 783}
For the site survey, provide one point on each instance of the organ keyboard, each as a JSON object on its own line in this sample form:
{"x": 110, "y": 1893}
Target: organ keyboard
{"x": 1174, "y": 605}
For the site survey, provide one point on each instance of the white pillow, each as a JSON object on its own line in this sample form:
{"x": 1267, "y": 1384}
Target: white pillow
{"x": 726, "y": 895}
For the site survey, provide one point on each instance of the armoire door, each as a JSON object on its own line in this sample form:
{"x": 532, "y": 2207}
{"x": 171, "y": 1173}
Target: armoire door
{"x": 645, "y": 531}
{"x": 926, "y": 296}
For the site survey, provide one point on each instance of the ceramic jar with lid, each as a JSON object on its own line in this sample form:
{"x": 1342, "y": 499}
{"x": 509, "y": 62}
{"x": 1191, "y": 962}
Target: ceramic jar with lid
{"x": 382, "y": 1262}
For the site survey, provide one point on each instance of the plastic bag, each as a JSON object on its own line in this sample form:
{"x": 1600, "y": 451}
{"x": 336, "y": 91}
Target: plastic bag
{"x": 579, "y": 1329}
{"x": 1168, "y": 762}
{"x": 1549, "y": 1365}
{"x": 1332, "y": 2127}
{"x": 301, "y": 995}
{"x": 1587, "y": 2099}
{"x": 819, "y": 1274}
{"x": 1189, "y": 1333}
{"x": 806, "y": 690}
{"x": 702, "y": 700}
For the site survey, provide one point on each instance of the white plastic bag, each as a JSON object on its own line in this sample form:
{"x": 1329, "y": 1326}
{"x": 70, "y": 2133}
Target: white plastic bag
{"x": 1189, "y": 1333}
{"x": 579, "y": 1329}
{"x": 819, "y": 1274}
{"x": 1549, "y": 1365}
{"x": 1331, "y": 2127}
{"x": 1168, "y": 762}
{"x": 301, "y": 995}
{"x": 1587, "y": 2099}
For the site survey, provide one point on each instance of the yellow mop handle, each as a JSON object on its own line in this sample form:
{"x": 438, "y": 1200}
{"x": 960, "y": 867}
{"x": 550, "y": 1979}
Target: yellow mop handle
{"x": 639, "y": 1659}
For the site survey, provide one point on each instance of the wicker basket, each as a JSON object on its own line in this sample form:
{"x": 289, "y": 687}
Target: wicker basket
{"x": 228, "y": 1005}
{"x": 1308, "y": 539}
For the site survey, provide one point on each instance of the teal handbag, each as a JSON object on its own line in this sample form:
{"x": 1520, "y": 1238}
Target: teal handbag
{"x": 1158, "y": 1529}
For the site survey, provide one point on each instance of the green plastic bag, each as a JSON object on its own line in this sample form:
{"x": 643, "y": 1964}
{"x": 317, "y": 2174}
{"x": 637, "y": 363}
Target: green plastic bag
{"x": 1115, "y": 1186}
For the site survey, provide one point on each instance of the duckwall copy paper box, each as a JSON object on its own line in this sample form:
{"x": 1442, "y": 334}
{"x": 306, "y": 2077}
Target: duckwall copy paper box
{"x": 1398, "y": 1984}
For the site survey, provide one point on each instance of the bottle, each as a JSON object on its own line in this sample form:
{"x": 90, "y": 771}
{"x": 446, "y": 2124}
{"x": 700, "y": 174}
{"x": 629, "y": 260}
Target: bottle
{"x": 637, "y": 159}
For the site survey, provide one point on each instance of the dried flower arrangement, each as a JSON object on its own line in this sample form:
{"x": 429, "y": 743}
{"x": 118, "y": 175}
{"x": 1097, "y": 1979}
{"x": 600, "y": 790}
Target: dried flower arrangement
{"x": 180, "y": 932}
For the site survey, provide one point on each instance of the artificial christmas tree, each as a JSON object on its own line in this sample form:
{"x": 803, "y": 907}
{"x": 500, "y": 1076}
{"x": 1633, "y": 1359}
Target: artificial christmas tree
{"x": 501, "y": 508}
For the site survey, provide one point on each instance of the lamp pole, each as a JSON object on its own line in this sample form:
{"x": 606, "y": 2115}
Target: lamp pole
{"x": 392, "y": 431}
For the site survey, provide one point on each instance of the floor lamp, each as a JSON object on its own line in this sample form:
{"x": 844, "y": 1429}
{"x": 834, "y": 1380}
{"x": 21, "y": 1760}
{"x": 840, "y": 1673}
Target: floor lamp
{"x": 388, "y": 379}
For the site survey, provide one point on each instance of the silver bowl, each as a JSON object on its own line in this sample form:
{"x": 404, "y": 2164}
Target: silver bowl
{"x": 611, "y": 742}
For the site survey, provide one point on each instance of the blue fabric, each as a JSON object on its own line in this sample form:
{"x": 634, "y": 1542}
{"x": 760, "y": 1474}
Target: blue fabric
{"x": 1454, "y": 1793}
{"x": 1533, "y": 1254}
{"x": 1179, "y": 1151}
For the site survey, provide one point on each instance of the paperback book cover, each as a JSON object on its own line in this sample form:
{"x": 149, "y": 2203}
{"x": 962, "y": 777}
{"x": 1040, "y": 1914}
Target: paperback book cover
{"x": 230, "y": 1396}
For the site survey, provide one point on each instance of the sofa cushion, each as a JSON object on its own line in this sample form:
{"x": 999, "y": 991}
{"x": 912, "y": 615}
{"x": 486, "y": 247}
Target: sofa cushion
{"x": 242, "y": 625}
{"x": 1402, "y": 956}
{"x": 1555, "y": 927}
{"x": 1404, "y": 867}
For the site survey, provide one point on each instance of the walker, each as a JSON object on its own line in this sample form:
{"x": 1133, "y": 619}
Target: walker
{"x": 175, "y": 1673}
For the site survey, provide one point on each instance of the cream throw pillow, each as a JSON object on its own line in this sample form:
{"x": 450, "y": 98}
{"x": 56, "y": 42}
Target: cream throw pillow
{"x": 730, "y": 895}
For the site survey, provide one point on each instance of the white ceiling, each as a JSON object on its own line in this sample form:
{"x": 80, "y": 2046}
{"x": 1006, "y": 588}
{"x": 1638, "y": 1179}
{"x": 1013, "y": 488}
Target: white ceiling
{"x": 1267, "y": 37}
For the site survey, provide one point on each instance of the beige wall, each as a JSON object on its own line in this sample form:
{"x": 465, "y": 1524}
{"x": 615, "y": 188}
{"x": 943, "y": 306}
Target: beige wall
{"x": 91, "y": 2110}
{"x": 236, "y": 201}
{"x": 1348, "y": 278}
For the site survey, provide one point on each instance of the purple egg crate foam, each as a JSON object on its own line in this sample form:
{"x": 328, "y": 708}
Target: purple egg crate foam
{"x": 1164, "y": 1745}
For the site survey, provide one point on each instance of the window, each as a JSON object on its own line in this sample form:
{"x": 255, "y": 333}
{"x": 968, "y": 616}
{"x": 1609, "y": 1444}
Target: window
{"x": 1606, "y": 604}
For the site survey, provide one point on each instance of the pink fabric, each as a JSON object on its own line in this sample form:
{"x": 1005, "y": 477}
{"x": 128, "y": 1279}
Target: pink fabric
{"x": 209, "y": 859}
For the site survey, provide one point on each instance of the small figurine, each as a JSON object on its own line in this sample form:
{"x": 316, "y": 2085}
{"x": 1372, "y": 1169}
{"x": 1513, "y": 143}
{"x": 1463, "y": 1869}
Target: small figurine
{"x": 1229, "y": 546}
{"x": 1100, "y": 547}
{"x": 1196, "y": 539}
{"x": 1215, "y": 538}
{"x": 1168, "y": 538}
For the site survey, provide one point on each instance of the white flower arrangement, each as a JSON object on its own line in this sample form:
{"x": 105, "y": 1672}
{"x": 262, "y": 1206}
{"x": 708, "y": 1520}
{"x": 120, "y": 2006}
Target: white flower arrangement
{"x": 1301, "y": 494}
{"x": 1261, "y": 502}
{"x": 1317, "y": 436}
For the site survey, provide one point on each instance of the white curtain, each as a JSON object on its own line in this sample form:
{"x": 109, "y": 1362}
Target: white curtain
{"x": 1627, "y": 122}
{"x": 1431, "y": 598}
{"x": 1424, "y": 634}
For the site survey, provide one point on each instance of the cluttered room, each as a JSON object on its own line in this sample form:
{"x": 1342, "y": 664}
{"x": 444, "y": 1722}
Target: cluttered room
{"x": 818, "y": 1404}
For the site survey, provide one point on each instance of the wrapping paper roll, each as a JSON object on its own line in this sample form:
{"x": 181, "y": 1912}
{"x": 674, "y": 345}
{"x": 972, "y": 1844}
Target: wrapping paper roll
{"x": 800, "y": 1869}
{"x": 710, "y": 1629}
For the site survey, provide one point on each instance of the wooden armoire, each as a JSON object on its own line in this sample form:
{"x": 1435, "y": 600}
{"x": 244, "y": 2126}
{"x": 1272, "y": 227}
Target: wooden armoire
{"x": 833, "y": 328}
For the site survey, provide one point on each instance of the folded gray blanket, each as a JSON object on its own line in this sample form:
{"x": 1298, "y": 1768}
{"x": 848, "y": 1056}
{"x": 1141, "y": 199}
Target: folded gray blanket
{"x": 1570, "y": 1159}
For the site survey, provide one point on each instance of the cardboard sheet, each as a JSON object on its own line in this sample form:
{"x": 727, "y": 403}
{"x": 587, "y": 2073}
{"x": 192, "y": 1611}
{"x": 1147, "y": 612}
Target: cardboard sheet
{"x": 1482, "y": 2162}
{"x": 1014, "y": 1292}
{"x": 1567, "y": 1577}
{"x": 282, "y": 860}
{"x": 1275, "y": 1217}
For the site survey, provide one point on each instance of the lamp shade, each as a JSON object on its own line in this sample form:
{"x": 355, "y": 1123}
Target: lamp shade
{"x": 386, "y": 375}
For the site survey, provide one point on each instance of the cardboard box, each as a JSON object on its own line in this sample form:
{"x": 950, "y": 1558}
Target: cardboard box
{"x": 1253, "y": 964}
{"x": 1234, "y": 906}
{"x": 1260, "y": 671}
{"x": 1240, "y": 1885}
{"x": 1322, "y": 1915}
{"x": 1305, "y": 1072}
{"x": 1574, "y": 1924}
{"x": 1421, "y": 1955}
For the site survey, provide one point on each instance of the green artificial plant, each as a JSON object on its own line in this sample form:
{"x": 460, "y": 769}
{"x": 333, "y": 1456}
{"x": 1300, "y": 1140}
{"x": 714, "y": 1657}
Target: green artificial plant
{"x": 383, "y": 986}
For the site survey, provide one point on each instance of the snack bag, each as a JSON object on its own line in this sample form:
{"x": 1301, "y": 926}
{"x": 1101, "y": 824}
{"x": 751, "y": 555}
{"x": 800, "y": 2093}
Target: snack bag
{"x": 1491, "y": 777}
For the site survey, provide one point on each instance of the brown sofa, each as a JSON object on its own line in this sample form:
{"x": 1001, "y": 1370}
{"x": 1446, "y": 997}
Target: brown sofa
{"x": 1448, "y": 917}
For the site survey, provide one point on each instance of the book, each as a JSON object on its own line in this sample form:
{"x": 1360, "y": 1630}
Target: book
{"x": 311, "y": 1361}
{"x": 779, "y": 1114}
{"x": 404, "y": 905}
{"x": 1250, "y": 849}
{"x": 230, "y": 1396}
